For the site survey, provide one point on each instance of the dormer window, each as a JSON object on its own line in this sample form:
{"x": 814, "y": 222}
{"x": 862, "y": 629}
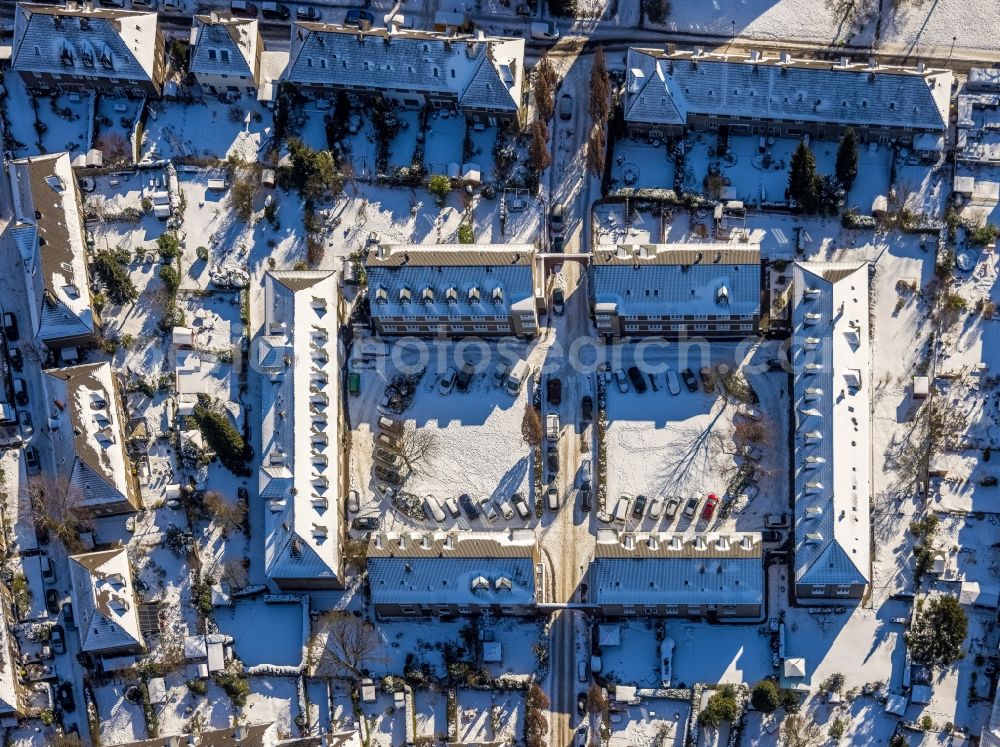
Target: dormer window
{"x": 212, "y": 55}
{"x": 451, "y": 295}
{"x": 405, "y": 296}
{"x": 427, "y": 296}
{"x": 381, "y": 296}
{"x": 473, "y": 295}
{"x": 498, "y": 295}
{"x": 225, "y": 55}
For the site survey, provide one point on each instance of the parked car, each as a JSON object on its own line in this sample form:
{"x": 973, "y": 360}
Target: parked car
{"x": 776, "y": 364}
{"x": 558, "y": 302}
{"x": 583, "y": 670}
{"x": 16, "y": 360}
{"x": 451, "y": 506}
{"x": 389, "y": 441}
{"x": 670, "y": 509}
{"x": 24, "y": 420}
{"x": 57, "y": 639}
{"x": 900, "y": 620}
{"x": 447, "y": 382}
{"x": 710, "y": 504}
{"x": 707, "y": 380}
{"x": 585, "y": 493}
{"x": 552, "y": 498}
{"x": 520, "y": 505}
{"x": 556, "y": 220}
{"x": 753, "y": 453}
{"x": 500, "y": 373}
{"x": 487, "y": 509}
{"x": 52, "y": 601}
{"x": 464, "y": 377}
{"x": 173, "y": 6}
{"x": 565, "y": 106}
{"x": 552, "y": 459}
{"x": 655, "y": 508}
{"x": 776, "y": 521}
{"x": 503, "y": 505}
{"x": 306, "y": 13}
{"x": 243, "y": 9}
{"x": 10, "y": 327}
{"x": 353, "y": 501}
{"x": 691, "y": 507}
{"x": 20, "y": 392}
{"x": 67, "y": 611}
{"x": 621, "y": 508}
{"x": 689, "y": 380}
{"x": 553, "y": 390}
{"x": 622, "y": 381}
{"x": 385, "y": 474}
{"x": 389, "y": 459}
{"x": 31, "y": 460}
{"x": 673, "y": 386}
{"x": 359, "y": 18}
{"x": 581, "y": 703}
{"x": 638, "y": 382}
{"x": 144, "y": 4}
{"x": 639, "y": 507}
{"x": 587, "y": 409}
{"x": 434, "y": 510}
{"x": 469, "y": 506}
{"x": 771, "y": 535}
{"x": 66, "y": 699}
{"x": 272, "y": 10}
{"x": 365, "y": 523}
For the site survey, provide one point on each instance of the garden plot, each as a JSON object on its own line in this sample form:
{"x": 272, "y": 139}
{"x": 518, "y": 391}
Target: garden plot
{"x": 401, "y": 149}
{"x": 635, "y": 661}
{"x": 681, "y": 446}
{"x": 430, "y": 714}
{"x": 360, "y": 146}
{"x": 272, "y": 699}
{"x": 642, "y": 165}
{"x": 445, "y": 135}
{"x": 113, "y": 125}
{"x": 612, "y": 227}
{"x": 386, "y": 722}
{"x": 17, "y": 123}
{"x": 66, "y": 119}
{"x": 483, "y": 142}
{"x": 206, "y": 130}
{"x": 517, "y": 639}
{"x": 120, "y": 720}
{"x": 929, "y": 186}
{"x": 718, "y": 653}
{"x": 653, "y": 721}
{"x": 423, "y": 640}
{"x": 264, "y": 633}
{"x": 490, "y": 716}
{"x": 874, "y": 166}
{"x": 310, "y": 124}
{"x": 214, "y": 710}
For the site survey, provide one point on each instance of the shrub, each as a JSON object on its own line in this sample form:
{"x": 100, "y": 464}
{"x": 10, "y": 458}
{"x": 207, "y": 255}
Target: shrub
{"x": 224, "y": 439}
{"x": 982, "y": 235}
{"x": 837, "y": 729}
{"x": 243, "y": 194}
{"x": 170, "y": 277}
{"x": 202, "y": 253}
{"x": 147, "y": 205}
{"x": 169, "y": 245}
{"x": 439, "y": 186}
{"x": 721, "y": 707}
{"x": 119, "y": 286}
{"x": 656, "y": 10}
{"x": 764, "y": 696}
{"x": 465, "y": 234}
{"x": 197, "y": 687}
{"x": 236, "y": 685}
{"x": 938, "y": 633}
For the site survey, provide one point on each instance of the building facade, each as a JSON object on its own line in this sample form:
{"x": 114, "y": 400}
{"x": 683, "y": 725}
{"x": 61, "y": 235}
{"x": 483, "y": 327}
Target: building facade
{"x": 668, "y": 91}
{"x": 831, "y": 400}
{"x": 676, "y": 290}
{"x": 703, "y": 575}
{"x": 85, "y": 48}
{"x": 459, "y": 573}
{"x": 301, "y": 477}
{"x": 225, "y": 55}
{"x": 438, "y": 290}
{"x": 481, "y": 77}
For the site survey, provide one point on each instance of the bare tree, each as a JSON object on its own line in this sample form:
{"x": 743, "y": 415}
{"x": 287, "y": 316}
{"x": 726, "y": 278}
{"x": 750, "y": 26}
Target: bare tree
{"x": 544, "y": 89}
{"x": 600, "y": 89}
{"x": 539, "y": 148}
{"x": 228, "y": 514}
{"x": 56, "y": 505}
{"x": 351, "y": 644}
{"x": 596, "y": 146}
{"x": 798, "y": 730}
{"x": 418, "y": 445}
{"x": 531, "y": 426}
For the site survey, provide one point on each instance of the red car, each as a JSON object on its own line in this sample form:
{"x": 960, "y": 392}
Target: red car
{"x": 710, "y": 504}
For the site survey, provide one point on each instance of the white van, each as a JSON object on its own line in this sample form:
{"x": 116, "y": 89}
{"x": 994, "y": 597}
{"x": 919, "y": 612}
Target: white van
{"x": 544, "y": 31}
{"x": 452, "y": 505}
{"x": 621, "y": 510}
{"x": 586, "y": 473}
{"x": 433, "y": 506}
{"x": 516, "y": 377}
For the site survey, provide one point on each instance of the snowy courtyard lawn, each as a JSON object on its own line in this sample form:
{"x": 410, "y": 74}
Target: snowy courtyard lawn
{"x": 263, "y": 633}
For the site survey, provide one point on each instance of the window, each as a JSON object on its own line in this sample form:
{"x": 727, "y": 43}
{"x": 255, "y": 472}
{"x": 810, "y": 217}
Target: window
{"x": 649, "y": 609}
{"x": 508, "y": 610}
{"x": 444, "y": 609}
{"x": 211, "y": 54}
{"x": 729, "y": 609}
{"x": 408, "y": 610}
{"x": 464, "y": 609}
{"x": 671, "y": 609}
{"x": 843, "y": 589}
{"x": 818, "y": 590}
{"x": 628, "y": 609}
{"x": 480, "y": 328}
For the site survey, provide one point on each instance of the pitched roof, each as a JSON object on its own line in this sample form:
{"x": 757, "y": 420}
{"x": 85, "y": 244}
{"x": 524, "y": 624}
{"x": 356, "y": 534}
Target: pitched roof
{"x": 831, "y": 359}
{"x": 224, "y": 46}
{"x": 636, "y": 568}
{"x": 257, "y": 735}
{"x": 104, "y": 601}
{"x": 482, "y": 72}
{"x": 472, "y": 568}
{"x": 10, "y": 698}
{"x": 85, "y": 412}
{"x": 91, "y": 41}
{"x": 298, "y": 477}
{"x": 678, "y": 279}
{"x": 48, "y": 233}
{"x": 664, "y": 88}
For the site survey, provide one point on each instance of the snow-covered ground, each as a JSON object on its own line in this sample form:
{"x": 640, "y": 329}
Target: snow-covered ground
{"x": 641, "y": 165}
{"x": 65, "y": 118}
{"x": 612, "y": 227}
{"x": 480, "y": 711}
{"x": 445, "y": 136}
{"x": 263, "y": 633}
{"x": 206, "y": 130}
{"x": 654, "y": 721}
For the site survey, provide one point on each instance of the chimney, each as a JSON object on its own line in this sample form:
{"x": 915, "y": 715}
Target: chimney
{"x": 754, "y": 55}
{"x": 921, "y": 67}
{"x": 213, "y": 17}
{"x": 845, "y": 61}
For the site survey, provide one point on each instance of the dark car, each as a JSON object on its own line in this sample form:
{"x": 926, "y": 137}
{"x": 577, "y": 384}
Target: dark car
{"x": 553, "y": 391}
{"x": 637, "y": 379}
{"x": 20, "y": 392}
{"x": 464, "y": 377}
{"x": 565, "y": 106}
{"x": 16, "y": 359}
{"x": 57, "y": 639}
{"x": 587, "y": 409}
{"x": 365, "y": 523}
{"x": 558, "y": 302}
{"x": 31, "y": 460}
{"x": 359, "y": 18}
{"x": 552, "y": 458}
{"x": 243, "y": 494}
{"x": 68, "y": 618}
{"x": 66, "y": 699}
{"x": 42, "y": 533}
{"x": 276, "y": 11}
{"x": 306, "y": 13}
{"x": 556, "y": 220}
{"x": 10, "y": 327}
{"x": 581, "y": 703}
{"x": 469, "y": 506}
{"x": 771, "y": 535}
{"x": 385, "y": 474}
{"x": 52, "y": 601}
{"x": 706, "y": 379}
{"x": 689, "y": 380}
{"x": 243, "y": 9}
{"x": 639, "y": 507}
{"x": 585, "y": 498}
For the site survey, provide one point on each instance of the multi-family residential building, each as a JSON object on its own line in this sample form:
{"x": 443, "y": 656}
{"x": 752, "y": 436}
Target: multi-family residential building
{"x": 78, "y": 46}
{"x": 226, "y": 54}
{"x": 239, "y": 735}
{"x": 49, "y": 236}
{"x": 831, "y": 399}
{"x": 431, "y": 290}
{"x": 453, "y": 573}
{"x": 86, "y": 423}
{"x": 104, "y": 603}
{"x": 667, "y": 91}
{"x": 482, "y": 77}
{"x": 12, "y": 695}
{"x": 676, "y": 290}
{"x": 715, "y": 576}
{"x": 301, "y": 474}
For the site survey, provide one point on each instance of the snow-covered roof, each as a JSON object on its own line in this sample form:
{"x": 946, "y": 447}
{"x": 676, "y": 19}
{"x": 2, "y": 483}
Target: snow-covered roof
{"x": 678, "y": 279}
{"x": 48, "y": 232}
{"x": 298, "y": 477}
{"x": 87, "y": 41}
{"x": 467, "y": 568}
{"x": 990, "y": 736}
{"x": 983, "y": 79}
{"x": 980, "y": 595}
{"x": 795, "y": 667}
{"x": 480, "y": 72}
{"x": 484, "y": 280}
{"x": 10, "y": 701}
{"x": 104, "y": 601}
{"x": 831, "y": 358}
{"x": 84, "y": 414}
{"x": 637, "y": 568}
{"x": 225, "y": 46}
{"x": 244, "y": 735}
{"x": 665, "y": 88}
